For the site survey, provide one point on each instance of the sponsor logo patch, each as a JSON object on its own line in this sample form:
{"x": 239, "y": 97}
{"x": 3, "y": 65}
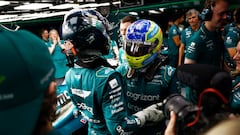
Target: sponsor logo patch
{"x": 113, "y": 83}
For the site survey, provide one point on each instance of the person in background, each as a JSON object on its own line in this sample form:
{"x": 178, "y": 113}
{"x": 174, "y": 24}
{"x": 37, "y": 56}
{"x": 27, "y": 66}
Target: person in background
{"x": 174, "y": 38}
{"x": 96, "y": 89}
{"x": 124, "y": 23}
{"x": 235, "y": 96}
{"x": 27, "y": 87}
{"x": 192, "y": 17}
{"x": 44, "y": 35}
{"x": 149, "y": 80}
{"x": 57, "y": 49}
{"x": 169, "y": 24}
{"x": 230, "y": 25}
{"x": 206, "y": 45}
{"x": 230, "y": 41}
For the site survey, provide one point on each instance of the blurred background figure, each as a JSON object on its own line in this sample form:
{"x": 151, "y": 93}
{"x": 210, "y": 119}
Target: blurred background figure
{"x": 44, "y": 35}
{"x": 206, "y": 45}
{"x": 231, "y": 23}
{"x": 193, "y": 19}
{"x": 230, "y": 41}
{"x": 124, "y": 23}
{"x": 57, "y": 49}
{"x": 174, "y": 37}
{"x": 235, "y": 96}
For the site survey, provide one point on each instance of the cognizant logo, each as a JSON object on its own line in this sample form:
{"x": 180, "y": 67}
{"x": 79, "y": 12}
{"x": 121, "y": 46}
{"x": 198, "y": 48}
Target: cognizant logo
{"x": 136, "y": 96}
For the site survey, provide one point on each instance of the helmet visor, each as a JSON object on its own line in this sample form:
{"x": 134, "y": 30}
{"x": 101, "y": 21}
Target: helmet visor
{"x": 137, "y": 49}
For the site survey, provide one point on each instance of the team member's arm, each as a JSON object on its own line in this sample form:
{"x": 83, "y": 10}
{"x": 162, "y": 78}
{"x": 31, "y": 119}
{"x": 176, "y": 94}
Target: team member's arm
{"x": 182, "y": 48}
{"x": 181, "y": 54}
{"x": 176, "y": 37}
{"x": 176, "y": 40}
{"x": 192, "y": 52}
{"x": 170, "y": 130}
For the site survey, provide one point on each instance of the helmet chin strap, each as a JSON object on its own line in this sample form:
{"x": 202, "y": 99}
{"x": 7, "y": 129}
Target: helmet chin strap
{"x": 150, "y": 69}
{"x": 130, "y": 72}
{"x": 151, "y": 58}
{"x": 160, "y": 61}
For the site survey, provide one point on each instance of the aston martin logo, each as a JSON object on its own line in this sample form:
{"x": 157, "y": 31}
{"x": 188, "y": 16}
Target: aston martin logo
{"x": 80, "y": 93}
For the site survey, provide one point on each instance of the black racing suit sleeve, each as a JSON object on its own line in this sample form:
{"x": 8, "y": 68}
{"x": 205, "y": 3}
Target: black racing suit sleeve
{"x": 114, "y": 107}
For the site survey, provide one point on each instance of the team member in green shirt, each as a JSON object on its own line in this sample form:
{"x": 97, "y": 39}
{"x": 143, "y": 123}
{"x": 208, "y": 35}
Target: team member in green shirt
{"x": 235, "y": 98}
{"x": 230, "y": 41}
{"x": 124, "y": 23}
{"x": 192, "y": 17}
{"x": 56, "y": 47}
{"x": 206, "y": 46}
{"x": 174, "y": 38}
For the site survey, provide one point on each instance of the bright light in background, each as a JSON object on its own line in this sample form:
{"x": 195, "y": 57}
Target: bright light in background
{"x": 33, "y": 15}
{"x": 133, "y": 13}
{"x": 36, "y": 6}
{"x": 162, "y": 9}
{"x": 85, "y": 1}
{"x": 103, "y": 4}
{"x": 154, "y": 12}
{"x": 4, "y": 3}
{"x": 10, "y": 20}
{"x": 7, "y": 16}
{"x": 33, "y": 6}
{"x": 88, "y": 5}
{"x": 64, "y": 6}
{"x": 116, "y": 2}
{"x": 89, "y": 0}
{"x": 98, "y": 4}
{"x": 41, "y": 15}
{"x": 56, "y": 14}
